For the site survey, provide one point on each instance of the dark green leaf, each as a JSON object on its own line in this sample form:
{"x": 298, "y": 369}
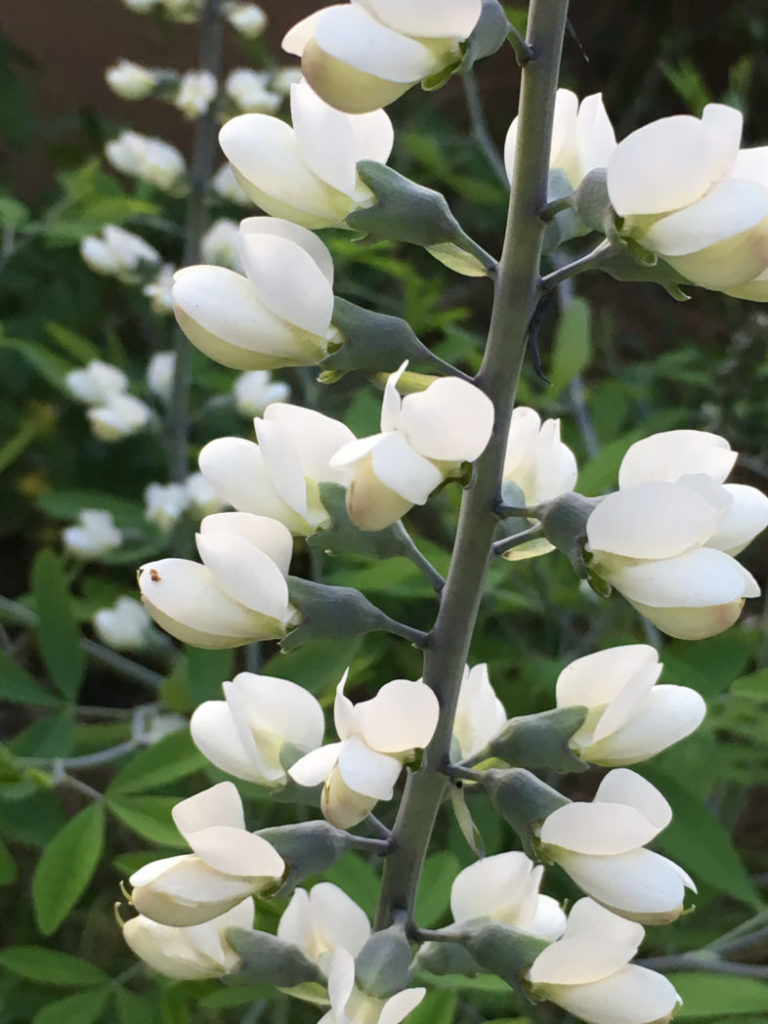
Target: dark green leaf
{"x": 83, "y": 1008}
{"x": 358, "y": 880}
{"x": 8, "y": 868}
{"x": 572, "y": 348}
{"x": 715, "y": 995}
{"x": 52, "y": 736}
{"x": 66, "y": 867}
{"x": 435, "y": 1008}
{"x": 49, "y": 967}
{"x": 173, "y": 757}
{"x": 17, "y": 684}
{"x": 59, "y": 635}
{"x": 435, "y": 889}
{"x": 149, "y": 817}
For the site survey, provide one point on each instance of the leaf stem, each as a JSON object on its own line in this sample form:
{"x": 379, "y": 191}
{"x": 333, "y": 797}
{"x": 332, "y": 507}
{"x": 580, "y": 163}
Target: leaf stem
{"x": 516, "y": 539}
{"x": 411, "y": 552}
{"x": 602, "y": 251}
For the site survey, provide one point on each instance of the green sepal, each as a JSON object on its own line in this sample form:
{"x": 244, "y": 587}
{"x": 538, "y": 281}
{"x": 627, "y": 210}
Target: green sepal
{"x": 383, "y": 965}
{"x": 564, "y": 521}
{"x": 308, "y": 848}
{"x": 267, "y": 960}
{"x": 343, "y": 537}
{"x": 506, "y": 952}
{"x": 592, "y": 202}
{"x": 522, "y": 800}
{"x": 541, "y": 740}
{"x": 446, "y": 958}
{"x": 329, "y": 613}
{"x": 565, "y": 225}
{"x": 624, "y": 266}
{"x": 488, "y": 35}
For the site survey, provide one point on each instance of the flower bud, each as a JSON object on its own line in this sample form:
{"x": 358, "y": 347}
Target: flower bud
{"x": 96, "y": 383}
{"x": 161, "y": 373}
{"x": 150, "y": 159}
{"x": 95, "y": 534}
{"x": 125, "y": 626}
{"x": 131, "y": 81}
{"x": 197, "y": 90}
{"x": 121, "y": 416}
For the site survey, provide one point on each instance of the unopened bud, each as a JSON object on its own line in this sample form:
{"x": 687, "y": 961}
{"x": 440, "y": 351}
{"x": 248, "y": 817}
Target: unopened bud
{"x": 383, "y": 965}
{"x": 541, "y": 740}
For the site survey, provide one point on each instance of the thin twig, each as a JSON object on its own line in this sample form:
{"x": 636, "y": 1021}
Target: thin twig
{"x": 517, "y": 539}
{"x": 378, "y": 827}
{"x": 601, "y": 252}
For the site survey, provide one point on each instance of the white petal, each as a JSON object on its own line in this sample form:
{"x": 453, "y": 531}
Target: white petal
{"x": 639, "y": 884}
{"x": 725, "y": 125}
{"x": 479, "y": 712}
{"x": 747, "y": 516}
{"x": 698, "y": 579}
{"x": 266, "y": 534}
{"x": 495, "y": 887}
{"x": 622, "y": 786}
{"x": 341, "y": 981}
{"x": 692, "y": 623}
{"x": 367, "y": 771}
{"x": 344, "y": 715}
{"x": 245, "y": 574}
{"x": 183, "y": 891}
{"x": 324, "y": 137}
{"x": 282, "y": 708}
{"x": 392, "y": 403}
{"x": 217, "y": 737}
{"x": 237, "y": 852}
{"x": 316, "y": 766}
{"x": 167, "y": 949}
{"x": 285, "y": 469}
{"x": 752, "y": 165}
{"x": 599, "y": 678}
{"x": 596, "y": 944}
{"x": 403, "y": 470}
{"x": 374, "y": 135}
{"x": 651, "y": 521}
{"x": 563, "y": 152}
{"x": 727, "y": 210}
{"x": 598, "y": 828}
{"x": 342, "y": 806}
{"x": 633, "y": 995}
{"x": 315, "y": 437}
{"x": 402, "y": 716}
{"x": 286, "y": 229}
{"x": 398, "y": 1006}
{"x": 339, "y": 921}
{"x": 596, "y": 137}
{"x": 452, "y": 420}
{"x": 674, "y": 453}
{"x": 431, "y": 19}
{"x": 218, "y": 805}
{"x": 669, "y": 714}
{"x": 549, "y": 919}
{"x": 296, "y": 38}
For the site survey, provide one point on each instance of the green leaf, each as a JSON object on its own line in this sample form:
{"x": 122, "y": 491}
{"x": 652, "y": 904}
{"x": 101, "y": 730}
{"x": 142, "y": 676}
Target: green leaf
{"x": 47, "y": 364}
{"x": 711, "y": 665}
{"x": 66, "y": 867}
{"x": 51, "y": 736}
{"x": 73, "y": 345}
{"x": 435, "y": 889}
{"x": 68, "y": 504}
{"x": 149, "y": 817}
{"x": 16, "y": 684}
{"x": 572, "y": 348}
{"x": 600, "y": 474}
{"x": 753, "y": 686}
{"x": 83, "y": 1008}
{"x": 358, "y": 879}
{"x": 132, "y": 1008}
{"x": 173, "y": 757}
{"x": 8, "y": 869}
{"x": 49, "y": 967}
{"x": 207, "y": 671}
{"x": 435, "y": 1008}
{"x": 59, "y": 635}
{"x": 242, "y": 995}
{"x": 716, "y": 995}
{"x": 13, "y": 214}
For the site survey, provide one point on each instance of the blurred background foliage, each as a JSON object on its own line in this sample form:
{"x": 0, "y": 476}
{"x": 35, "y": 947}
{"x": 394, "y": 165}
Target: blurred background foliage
{"x": 624, "y": 360}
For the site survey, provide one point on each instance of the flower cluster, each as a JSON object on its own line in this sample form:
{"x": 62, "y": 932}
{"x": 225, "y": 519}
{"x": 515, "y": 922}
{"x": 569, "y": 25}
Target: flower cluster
{"x": 112, "y": 413}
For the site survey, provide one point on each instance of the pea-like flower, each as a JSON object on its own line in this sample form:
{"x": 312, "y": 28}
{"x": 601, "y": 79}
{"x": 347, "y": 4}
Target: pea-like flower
{"x": 480, "y": 714}
{"x": 425, "y": 437}
{"x": 118, "y": 253}
{"x": 307, "y": 173}
{"x": 131, "y": 81}
{"x": 121, "y": 416}
{"x": 96, "y": 383}
{"x": 124, "y": 626}
{"x": 629, "y": 718}
{"x": 364, "y": 55}
{"x": 279, "y": 314}
{"x": 350, "y": 1005}
{"x": 249, "y": 91}
{"x": 263, "y": 726}
{"x": 237, "y": 596}
{"x": 323, "y": 920}
{"x": 152, "y": 160}
{"x": 95, "y": 534}
{"x": 197, "y": 90}
{"x": 254, "y": 390}
{"x": 226, "y": 865}
{"x": 601, "y": 845}
{"x": 191, "y": 953}
{"x": 587, "y": 972}
{"x": 376, "y": 738}
{"x": 666, "y": 539}
{"x": 279, "y": 476}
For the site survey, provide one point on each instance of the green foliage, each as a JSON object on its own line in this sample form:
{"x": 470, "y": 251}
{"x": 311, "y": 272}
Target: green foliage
{"x": 59, "y": 636}
{"x": 66, "y": 867}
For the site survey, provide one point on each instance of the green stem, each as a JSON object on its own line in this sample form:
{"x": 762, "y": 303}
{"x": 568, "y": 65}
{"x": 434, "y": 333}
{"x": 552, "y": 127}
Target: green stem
{"x": 516, "y": 539}
{"x": 515, "y": 299}
{"x": 602, "y": 251}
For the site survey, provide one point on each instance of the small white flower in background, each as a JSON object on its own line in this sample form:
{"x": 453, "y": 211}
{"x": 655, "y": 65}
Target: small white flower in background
{"x": 201, "y": 497}
{"x": 141, "y": 6}
{"x": 263, "y": 723}
{"x": 96, "y": 383}
{"x": 238, "y": 596}
{"x": 684, "y": 189}
{"x": 284, "y": 78}
{"x": 629, "y": 718}
{"x": 165, "y": 504}
{"x": 197, "y": 90}
{"x": 323, "y": 920}
{"x": 364, "y": 55}
{"x": 125, "y": 626}
{"x": 226, "y": 186}
{"x": 376, "y": 737}
{"x": 425, "y": 437}
{"x": 227, "y": 864}
{"x": 505, "y": 889}
{"x": 160, "y": 291}
{"x": 118, "y": 253}
{"x": 121, "y": 416}
{"x": 220, "y": 244}
{"x": 247, "y": 19}
{"x": 151, "y": 726}
{"x": 254, "y": 390}
{"x": 279, "y": 314}
{"x": 192, "y": 953}
{"x": 480, "y": 714}
{"x": 601, "y": 845}
{"x": 351, "y": 1006}
{"x": 587, "y": 972}
{"x": 582, "y": 137}
{"x": 94, "y": 535}
{"x": 311, "y": 175}
{"x": 131, "y": 81}
{"x": 161, "y": 372}
{"x": 280, "y": 476}
{"x": 666, "y": 539}
{"x": 153, "y": 160}
{"x": 250, "y": 91}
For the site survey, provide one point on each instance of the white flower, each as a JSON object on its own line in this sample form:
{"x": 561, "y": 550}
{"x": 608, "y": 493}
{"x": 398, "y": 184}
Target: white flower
{"x": 120, "y": 416}
{"x": 131, "y": 81}
{"x": 582, "y": 137}
{"x": 96, "y": 383}
{"x": 505, "y": 889}
{"x": 351, "y": 1006}
{"x": 601, "y": 845}
{"x": 279, "y": 476}
{"x": 125, "y": 626}
{"x": 479, "y": 714}
{"x": 684, "y": 189}
{"x": 629, "y": 718}
{"x": 198, "y": 951}
{"x": 323, "y": 920}
{"x": 376, "y": 737}
{"x": 201, "y": 497}
{"x": 164, "y": 504}
{"x": 364, "y": 55}
{"x": 151, "y": 726}
{"x": 94, "y": 535}
{"x": 424, "y": 438}
{"x": 118, "y": 253}
{"x": 666, "y": 538}
{"x": 311, "y": 176}
{"x": 161, "y": 372}
{"x": 160, "y": 291}
{"x": 226, "y": 186}
{"x": 264, "y": 723}
{"x": 254, "y": 390}
{"x": 239, "y": 594}
{"x": 150, "y": 159}
{"x": 284, "y": 78}
{"x": 140, "y": 6}
{"x": 247, "y": 19}
{"x": 587, "y": 972}
{"x": 221, "y": 244}
{"x": 227, "y": 863}
{"x": 249, "y": 91}
{"x": 277, "y": 315}
{"x": 197, "y": 90}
